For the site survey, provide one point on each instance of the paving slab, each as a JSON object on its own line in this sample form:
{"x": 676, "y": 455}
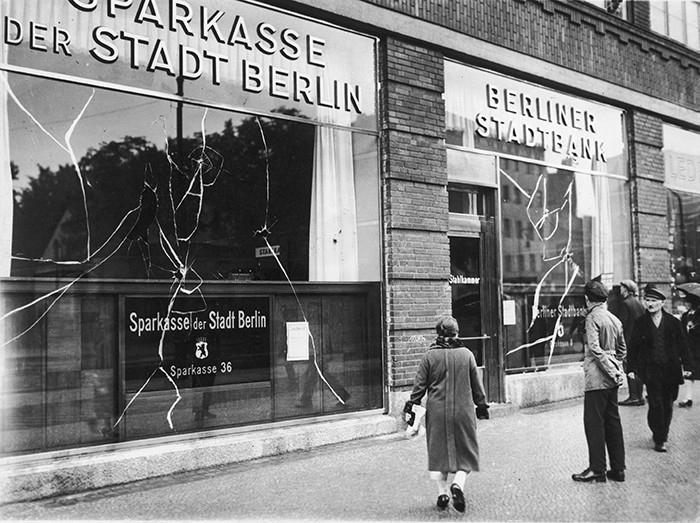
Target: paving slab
{"x": 527, "y": 459}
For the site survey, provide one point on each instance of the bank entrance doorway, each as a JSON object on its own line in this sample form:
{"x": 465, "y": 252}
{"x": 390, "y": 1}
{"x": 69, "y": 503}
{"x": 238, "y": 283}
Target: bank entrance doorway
{"x": 474, "y": 280}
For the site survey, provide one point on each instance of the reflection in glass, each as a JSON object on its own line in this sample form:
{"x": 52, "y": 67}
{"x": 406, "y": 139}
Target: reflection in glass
{"x": 172, "y": 212}
{"x": 567, "y": 229}
{"x": 201, "y": 193}
{"x": 684, "y": 224}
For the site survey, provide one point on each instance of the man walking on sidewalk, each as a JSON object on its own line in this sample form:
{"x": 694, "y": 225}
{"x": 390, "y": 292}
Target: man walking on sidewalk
{"x": 629, "y": 310}
{"x": 658, "y": 353}
{"x": 603, "y": 374}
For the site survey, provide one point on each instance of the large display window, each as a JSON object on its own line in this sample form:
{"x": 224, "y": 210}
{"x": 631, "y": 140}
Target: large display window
{"x": 191, "y": 232}
{"x": 564, "y": 209}
{"x": 682, "y": 181}
{"x": 161, "y": 185}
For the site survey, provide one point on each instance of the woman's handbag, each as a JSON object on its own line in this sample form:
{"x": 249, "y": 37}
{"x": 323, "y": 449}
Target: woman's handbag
{"x": 413, "y": 414}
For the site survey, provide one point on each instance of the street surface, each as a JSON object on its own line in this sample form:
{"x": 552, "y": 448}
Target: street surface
{"x": 527, "y": 459}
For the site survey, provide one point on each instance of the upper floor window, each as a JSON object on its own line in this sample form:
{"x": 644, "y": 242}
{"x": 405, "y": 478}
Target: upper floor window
{"x": 677, "y": 19}
{"x": 616, "y": 7}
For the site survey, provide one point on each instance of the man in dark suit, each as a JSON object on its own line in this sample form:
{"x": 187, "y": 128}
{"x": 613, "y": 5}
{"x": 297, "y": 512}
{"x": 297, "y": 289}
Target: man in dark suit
{"x": 629, "y": 309}
{"x": 657, "y": 354}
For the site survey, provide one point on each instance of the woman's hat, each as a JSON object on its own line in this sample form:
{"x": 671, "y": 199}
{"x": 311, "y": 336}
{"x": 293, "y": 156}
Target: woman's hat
{"x": 652, "y": 291}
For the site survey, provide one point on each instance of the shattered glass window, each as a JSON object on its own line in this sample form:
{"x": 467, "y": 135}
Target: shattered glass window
{"x": 184, "y": 252}
{"x": 168, "y": 187}
{"x": 564, "y": 206}
{"x": 569, "y": 235}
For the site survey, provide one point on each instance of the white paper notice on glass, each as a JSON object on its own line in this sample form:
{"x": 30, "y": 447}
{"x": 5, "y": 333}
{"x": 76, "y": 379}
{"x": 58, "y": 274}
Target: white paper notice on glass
{"x": 508, "y": 312}
{"x": 297, "y": 341}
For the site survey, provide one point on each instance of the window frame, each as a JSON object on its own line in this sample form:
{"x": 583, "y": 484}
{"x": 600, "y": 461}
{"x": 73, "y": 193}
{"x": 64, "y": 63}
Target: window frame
{"x": 660, "y": 17}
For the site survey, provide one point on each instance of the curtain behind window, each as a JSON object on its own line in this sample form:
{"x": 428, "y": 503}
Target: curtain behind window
{"x": 593, "y": 200}
{"x": 333, "y": 226}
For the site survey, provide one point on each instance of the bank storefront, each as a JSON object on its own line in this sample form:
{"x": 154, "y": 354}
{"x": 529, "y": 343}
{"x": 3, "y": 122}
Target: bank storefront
{"x": 190, "y": 236}
{"x": 537, "y": 180}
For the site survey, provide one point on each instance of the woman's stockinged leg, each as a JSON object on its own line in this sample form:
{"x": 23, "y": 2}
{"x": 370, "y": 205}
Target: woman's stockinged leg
{"x": 440, "y": 479}
{"x": 460, "y": 478}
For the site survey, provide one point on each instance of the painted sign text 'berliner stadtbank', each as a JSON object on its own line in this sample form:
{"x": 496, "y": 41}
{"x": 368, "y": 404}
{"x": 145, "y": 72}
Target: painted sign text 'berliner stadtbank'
{"x": 536, "y": 121}
{"x": 494, "y": 112}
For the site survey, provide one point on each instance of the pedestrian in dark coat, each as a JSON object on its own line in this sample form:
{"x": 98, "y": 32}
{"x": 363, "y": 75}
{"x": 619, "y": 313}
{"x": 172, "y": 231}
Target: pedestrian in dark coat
{"x": 449, "y": 376}
{"x": 630, "y": 308}
{"x": 691, "y": 326}
{"x": 657, "y": 353}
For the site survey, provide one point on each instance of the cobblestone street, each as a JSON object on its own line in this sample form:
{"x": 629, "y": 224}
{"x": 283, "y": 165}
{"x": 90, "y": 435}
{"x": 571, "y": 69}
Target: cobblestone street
{"x": 527, "y": 459}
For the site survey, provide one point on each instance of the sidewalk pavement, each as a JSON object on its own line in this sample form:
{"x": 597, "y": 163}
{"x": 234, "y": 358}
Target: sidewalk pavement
{"x": 527, "y": 459}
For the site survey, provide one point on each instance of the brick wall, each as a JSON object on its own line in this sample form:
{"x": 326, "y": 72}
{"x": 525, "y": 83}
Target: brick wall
{"x": 415, "y": 201}
{"x": 575, "y": 35}
{"x": 650, "y": 225}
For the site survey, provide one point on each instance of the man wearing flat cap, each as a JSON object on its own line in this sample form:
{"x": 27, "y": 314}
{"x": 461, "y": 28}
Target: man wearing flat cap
{"x": 629, "y": 309}
{"x": 604, "y": 351}
{"x": 658, "y": 354}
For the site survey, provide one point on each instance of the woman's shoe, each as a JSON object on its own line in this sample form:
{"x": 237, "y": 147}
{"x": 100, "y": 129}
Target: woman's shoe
{"x": 458, "y": 498}
{"x": 442, "y": 501}
{"x": 686, "y": 403}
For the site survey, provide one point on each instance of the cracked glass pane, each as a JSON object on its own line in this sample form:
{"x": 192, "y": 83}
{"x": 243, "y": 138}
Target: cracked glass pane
{"x": 161, "y": 246}
{"x": 564, "y": 233}
{"x": 564, "y": 210}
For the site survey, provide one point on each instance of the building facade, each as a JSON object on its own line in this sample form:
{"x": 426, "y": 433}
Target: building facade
{"x": 223, "y": 215}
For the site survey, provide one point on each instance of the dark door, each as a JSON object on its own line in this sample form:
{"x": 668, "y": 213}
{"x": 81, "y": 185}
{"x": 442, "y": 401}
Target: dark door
{"x": 473, "y": 280}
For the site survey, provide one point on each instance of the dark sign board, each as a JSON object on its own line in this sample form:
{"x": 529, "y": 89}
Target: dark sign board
{"x": 203, "y": 342}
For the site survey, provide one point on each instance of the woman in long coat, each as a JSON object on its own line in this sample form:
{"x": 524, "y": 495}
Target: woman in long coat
{"x": 691, "y": 325}
{"x": 448, "y": 374}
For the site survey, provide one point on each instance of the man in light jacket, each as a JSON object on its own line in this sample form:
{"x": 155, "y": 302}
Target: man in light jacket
{"x": 605, "y": 350}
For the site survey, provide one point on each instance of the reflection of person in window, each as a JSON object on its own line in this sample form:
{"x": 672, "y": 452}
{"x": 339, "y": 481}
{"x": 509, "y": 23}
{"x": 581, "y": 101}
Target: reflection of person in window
{"x": 200, "y": 350}
{"x": 310, "y": 379}
{"x": 100, "y": 403}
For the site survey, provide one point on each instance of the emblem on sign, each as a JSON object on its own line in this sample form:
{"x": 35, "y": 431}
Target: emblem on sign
{"x": 201, "y": 351}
